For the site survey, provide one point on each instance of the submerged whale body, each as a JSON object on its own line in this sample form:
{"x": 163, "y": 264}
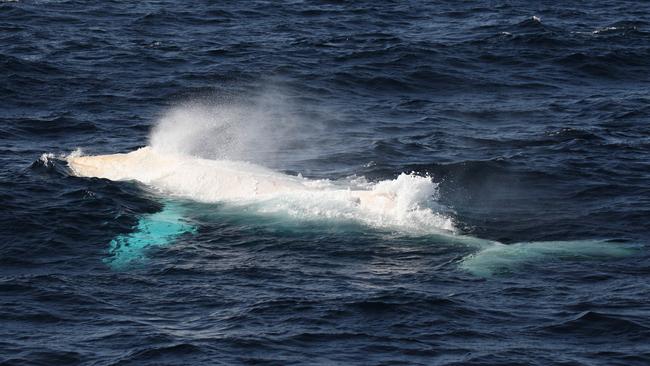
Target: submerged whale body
{"x": 211, "y": 180}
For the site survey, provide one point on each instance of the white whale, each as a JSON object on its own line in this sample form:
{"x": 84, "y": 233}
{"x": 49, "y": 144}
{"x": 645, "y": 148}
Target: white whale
{"x": 210, "y": 180}
{"x": 389, "y": 203}
{"x": 405, "y": 203}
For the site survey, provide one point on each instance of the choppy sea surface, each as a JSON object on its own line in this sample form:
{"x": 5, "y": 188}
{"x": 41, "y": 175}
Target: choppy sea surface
{"x": 523, "y": 130}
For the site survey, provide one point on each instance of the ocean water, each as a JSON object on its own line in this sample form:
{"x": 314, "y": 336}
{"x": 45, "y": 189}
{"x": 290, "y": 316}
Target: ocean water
{"x": 325, "y": 182}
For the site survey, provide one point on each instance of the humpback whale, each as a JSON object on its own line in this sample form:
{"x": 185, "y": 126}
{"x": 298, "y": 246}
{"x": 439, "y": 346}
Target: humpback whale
{"x": 406, "y": 203}
{"x": 213, "y": 180}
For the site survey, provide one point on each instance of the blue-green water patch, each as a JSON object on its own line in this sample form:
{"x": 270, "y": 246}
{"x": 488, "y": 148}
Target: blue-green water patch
{"x": 158, "y": 229}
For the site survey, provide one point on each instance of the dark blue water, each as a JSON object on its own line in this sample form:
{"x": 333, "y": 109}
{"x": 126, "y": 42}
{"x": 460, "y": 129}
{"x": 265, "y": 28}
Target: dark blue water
{"x": 533, "y": 118}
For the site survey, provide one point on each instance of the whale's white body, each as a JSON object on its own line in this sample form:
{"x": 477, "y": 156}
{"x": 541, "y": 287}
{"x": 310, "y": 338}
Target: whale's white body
{"x": 206, "y": 180}
{"x": 209, "y": 180}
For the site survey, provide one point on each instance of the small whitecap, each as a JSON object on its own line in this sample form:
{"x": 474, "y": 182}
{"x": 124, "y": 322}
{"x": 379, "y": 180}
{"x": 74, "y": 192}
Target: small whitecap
{"x": 47, "y": 158}
{"x": 604, "y": 30}
{"x": 73, "y": 154}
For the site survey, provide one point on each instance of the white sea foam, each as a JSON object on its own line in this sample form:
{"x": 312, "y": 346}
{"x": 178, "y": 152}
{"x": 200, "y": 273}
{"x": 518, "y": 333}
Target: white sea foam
{"x": 48, "y": 158}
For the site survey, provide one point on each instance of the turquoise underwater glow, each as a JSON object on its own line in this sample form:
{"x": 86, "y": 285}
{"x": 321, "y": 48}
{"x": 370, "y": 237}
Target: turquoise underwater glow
{"x": 490, "y": 258}
{"x": 158, "y": 229}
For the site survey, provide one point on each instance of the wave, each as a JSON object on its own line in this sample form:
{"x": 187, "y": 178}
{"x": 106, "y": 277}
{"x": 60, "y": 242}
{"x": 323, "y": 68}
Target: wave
{"x": 596, "y": 324}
